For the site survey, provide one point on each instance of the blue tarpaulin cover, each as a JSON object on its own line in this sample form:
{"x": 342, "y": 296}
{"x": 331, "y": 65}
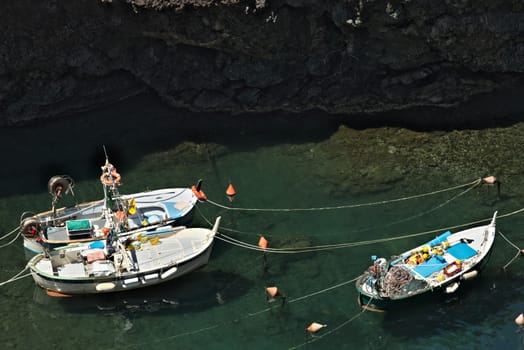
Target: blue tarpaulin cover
{"x": 434, "y": 264}
{"x": 462, "y": 251}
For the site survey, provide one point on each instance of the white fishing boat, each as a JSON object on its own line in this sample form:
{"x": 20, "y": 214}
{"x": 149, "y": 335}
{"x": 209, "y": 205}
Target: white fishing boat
{"x": 440, "y": 264}
{"x": 121, "y": 263}
{"x": 87, "y": 221}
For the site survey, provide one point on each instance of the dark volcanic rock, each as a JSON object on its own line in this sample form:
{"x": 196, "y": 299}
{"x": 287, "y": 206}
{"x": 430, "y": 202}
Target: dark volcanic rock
{"x": 60, "y": 56}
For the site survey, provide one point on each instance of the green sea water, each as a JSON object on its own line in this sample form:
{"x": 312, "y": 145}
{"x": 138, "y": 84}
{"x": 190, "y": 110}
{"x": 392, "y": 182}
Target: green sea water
{"x": 275, "y": 161}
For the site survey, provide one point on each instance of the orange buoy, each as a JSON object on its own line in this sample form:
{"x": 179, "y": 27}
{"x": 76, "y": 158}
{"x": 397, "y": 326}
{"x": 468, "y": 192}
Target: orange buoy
{"x": 520, "y": 320}
{"x": 56, "y": 294}
{"x": 315, "y": 327}
{"x": 490, "y": 180}
{"x": 272, "y": 291}
{"x": 231, "y": 192}
{"x": 198, "y": 192}
{"x": 262, "y": 242}
{"x": 120, "y": 215}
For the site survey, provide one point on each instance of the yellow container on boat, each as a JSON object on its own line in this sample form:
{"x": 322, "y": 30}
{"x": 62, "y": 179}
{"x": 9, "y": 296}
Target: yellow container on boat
{"x": 154, "y": 240}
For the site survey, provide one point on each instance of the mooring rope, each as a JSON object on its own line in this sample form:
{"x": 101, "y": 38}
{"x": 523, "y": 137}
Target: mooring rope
{"x": 246, "y": 316}
{"x": 318, "y": 337}
{"x": 519, "y": 251}
{"x": 11, "y": 241}
{"x": 291, "y": 250}
{"x": 349, "y": 206}
{"x": 381, "y": 226}
{"x": 17, "y": 276}
{"x": 9, "y": 233}
{"x": 351, "y": 319}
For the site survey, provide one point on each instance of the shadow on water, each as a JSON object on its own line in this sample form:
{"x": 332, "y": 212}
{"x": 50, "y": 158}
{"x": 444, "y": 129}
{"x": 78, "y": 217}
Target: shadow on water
{"x": 196, "y": 292}
{"x": 440, "y": 313}
{"x": 46, "y": 148}
{"x": 43, "y": 149}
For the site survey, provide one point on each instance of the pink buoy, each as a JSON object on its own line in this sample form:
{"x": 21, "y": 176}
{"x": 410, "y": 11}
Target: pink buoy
{"x": 520, "y": 320}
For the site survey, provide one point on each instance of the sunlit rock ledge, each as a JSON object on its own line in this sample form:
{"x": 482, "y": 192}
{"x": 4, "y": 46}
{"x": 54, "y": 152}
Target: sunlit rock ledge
{"x": 346, "y": 57}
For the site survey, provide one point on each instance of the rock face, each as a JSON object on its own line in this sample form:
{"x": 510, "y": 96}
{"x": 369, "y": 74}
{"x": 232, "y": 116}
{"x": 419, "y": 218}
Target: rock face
{"x": 339, "y": 56}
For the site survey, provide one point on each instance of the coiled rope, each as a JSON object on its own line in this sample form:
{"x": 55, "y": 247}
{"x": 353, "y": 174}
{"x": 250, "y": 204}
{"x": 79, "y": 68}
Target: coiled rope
{"x": 349, "y": 206}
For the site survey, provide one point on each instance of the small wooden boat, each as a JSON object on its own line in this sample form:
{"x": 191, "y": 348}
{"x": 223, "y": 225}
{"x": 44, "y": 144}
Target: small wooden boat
{"x": 87, "y": 221}
{"x": 440, "y": 264}
{"x": 123, "y": 263}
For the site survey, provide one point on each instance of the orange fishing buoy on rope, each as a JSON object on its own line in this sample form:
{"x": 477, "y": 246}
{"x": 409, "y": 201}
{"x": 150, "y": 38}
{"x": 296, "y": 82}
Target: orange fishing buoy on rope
{"x": 490, "y": 180}
{"x": 198, "y": 192}
{"x": 315, "y": 327}
{"x": 520, "y": 320}
{"x": 262, "y": 242}
{"x": 231, "y": 192}
{"x": 272, "y": 291}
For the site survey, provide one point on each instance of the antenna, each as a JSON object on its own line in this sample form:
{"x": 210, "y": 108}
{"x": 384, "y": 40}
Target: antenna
{"x": 105, "y": 152}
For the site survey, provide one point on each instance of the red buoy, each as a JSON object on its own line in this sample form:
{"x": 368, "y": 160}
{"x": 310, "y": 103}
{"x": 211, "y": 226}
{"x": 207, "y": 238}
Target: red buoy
{"x": 231, "y": 192}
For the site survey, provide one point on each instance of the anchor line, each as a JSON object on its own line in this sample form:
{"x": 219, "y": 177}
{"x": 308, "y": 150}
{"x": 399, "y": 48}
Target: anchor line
{"x": 249, "y": 315}
{"x": 318, "y": 337}
{"x": 9, "y": 234}
{"x": 349, "y": 206}
{"x": 382, "y": 226}
{"x": 250, "y": 246}
{"x": 519, "y": 251}
{"x": 11, "y": 241}
{"x": 17, "y": 276}
{"x": 351, "y": 319}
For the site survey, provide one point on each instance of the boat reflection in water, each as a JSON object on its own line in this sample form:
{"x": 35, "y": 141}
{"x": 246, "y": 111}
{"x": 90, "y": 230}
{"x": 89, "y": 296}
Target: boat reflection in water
{"x": 195, "y": 292}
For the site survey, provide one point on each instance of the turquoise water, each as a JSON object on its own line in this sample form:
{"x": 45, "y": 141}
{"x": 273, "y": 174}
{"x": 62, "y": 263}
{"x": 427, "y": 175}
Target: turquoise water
{"x": 274, "y": 161}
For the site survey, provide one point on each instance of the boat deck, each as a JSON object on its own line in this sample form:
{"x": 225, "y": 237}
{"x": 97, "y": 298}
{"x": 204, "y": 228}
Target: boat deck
{"x": 143, "y": 254}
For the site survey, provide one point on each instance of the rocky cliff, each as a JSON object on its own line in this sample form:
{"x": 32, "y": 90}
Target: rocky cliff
{"x": 339, "y": 56}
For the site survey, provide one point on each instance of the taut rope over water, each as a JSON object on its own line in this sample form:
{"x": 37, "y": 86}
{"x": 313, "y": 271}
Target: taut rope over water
{"x": 241, "y": 244}
{"x": 349, "y": 206}
{"x": 520, "y": 251}
{"x": 16, "y": 277}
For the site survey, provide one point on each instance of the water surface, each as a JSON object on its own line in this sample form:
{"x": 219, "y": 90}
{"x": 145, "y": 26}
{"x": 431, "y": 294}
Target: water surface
{"x": 274, "y": 161}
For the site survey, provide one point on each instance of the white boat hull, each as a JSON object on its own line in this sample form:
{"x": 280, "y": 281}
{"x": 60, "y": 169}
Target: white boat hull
{"x": 174, "y": 204}
{"x": 122, "y": 283}
{"x": 149, "y": 259}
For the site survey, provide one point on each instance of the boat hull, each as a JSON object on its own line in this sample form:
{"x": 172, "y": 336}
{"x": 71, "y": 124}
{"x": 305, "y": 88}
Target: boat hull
{"x": 442, "y": 265}
{"x": 129, "y": 281}
{"x": 175, "y": 204}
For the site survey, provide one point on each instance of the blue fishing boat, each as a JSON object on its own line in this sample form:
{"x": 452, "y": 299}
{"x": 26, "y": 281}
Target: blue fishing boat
{"x": 88, "y": 221}
{"x": 441, "y": 264}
